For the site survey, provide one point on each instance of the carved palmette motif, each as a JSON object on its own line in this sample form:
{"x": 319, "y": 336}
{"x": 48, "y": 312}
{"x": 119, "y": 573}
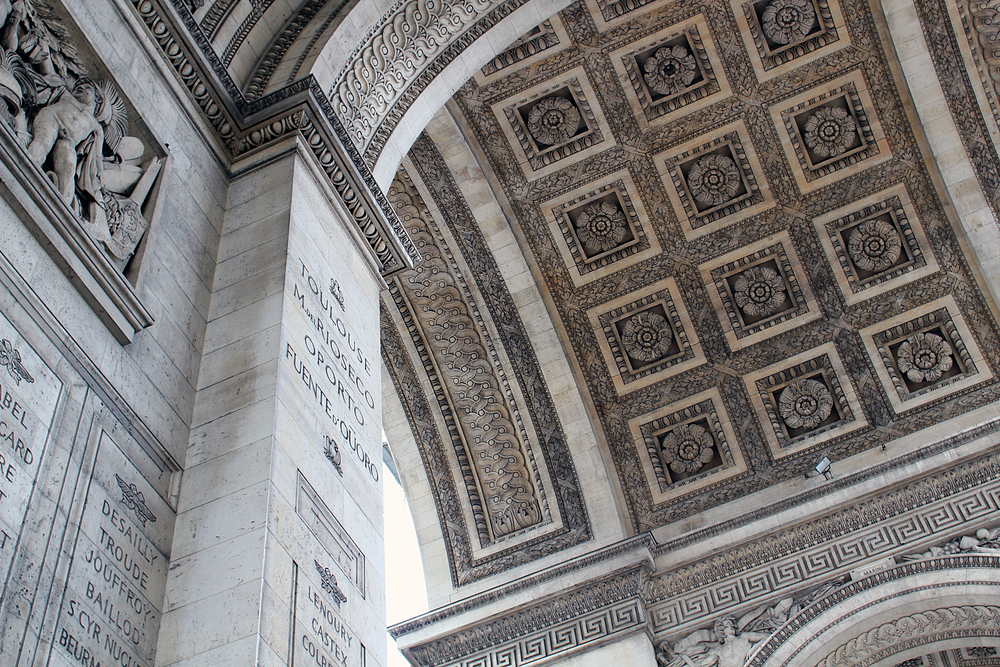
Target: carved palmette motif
{"x": 73, "y": 128}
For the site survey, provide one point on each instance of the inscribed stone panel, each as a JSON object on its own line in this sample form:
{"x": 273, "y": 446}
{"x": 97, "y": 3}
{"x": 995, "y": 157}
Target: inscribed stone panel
{"x": 29, "y": 392}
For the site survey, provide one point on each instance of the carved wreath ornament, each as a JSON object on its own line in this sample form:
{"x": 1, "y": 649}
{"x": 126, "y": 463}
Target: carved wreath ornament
{"x": 924, "y": 357}
{"x": 553, "y": 120}
{"x": 874, "y": 245}
{"x": 646, "y": 336}
{"x": 830, "y": 131}
{"x": 805, "y": 403}
{"x": 601, "y": 227}
{"x": 688, "y": 448}
{"x": 714, "y": 179}
{"x": 670, "y": 70}
{"x": 759, "y": 291}
{"x": 788, "y": 21}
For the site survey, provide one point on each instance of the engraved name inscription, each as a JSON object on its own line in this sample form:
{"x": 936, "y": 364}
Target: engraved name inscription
{"x": 29, "y": 392}
{"x": 334, "y": 369}
{"x": 323, "y": 638}
{"x": 110, "y": 613}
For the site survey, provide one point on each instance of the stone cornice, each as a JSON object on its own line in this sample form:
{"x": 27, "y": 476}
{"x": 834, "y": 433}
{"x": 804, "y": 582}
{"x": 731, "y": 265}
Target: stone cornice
{"x": 583, "y": 616}
{"x": 839, "y": 484}
{"x": 639, "y": 544}
{"x": 244, "y": 126}
{"x": 686, "y": 597}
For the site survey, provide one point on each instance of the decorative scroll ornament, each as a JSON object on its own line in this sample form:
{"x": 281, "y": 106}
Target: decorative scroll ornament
{"x": 133, "y": 499}
{"x": 759, "y": 291}
{"x": 924, "y": 357}
{"x": 830, "y": 131}
{"x": 11, "y": 358}
{"x": 925, "y": 626}
{"x": 646, "y": 336}
{"x": 688, "y": 448}
{"x": 601, "y": 227}
{"x": 714, "y": 179}
{"x": 329, "y": 583}
{"x": 805, "y": 403}
{"x": 874, "y": 245}
{"x": 553, "y": 120}
{"x": 788, "y": 21}
{"x": 498, "y": 460}
{"x": 670, "y": 70}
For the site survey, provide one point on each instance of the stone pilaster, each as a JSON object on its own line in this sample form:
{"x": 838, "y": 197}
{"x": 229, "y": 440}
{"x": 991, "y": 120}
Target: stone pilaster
{"x": 279, "y": 529}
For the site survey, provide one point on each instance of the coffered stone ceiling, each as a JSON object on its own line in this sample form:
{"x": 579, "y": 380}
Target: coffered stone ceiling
{"x": 742, "y": 249}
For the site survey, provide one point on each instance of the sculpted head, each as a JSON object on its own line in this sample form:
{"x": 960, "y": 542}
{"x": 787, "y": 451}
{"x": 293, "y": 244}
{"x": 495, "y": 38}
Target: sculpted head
{"x": 724, "y": 628}
{"x": 86, "y": 92}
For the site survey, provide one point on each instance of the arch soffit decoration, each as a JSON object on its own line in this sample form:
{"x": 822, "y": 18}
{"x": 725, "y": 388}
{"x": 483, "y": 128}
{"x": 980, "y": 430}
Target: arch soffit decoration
{"x": 376, "y": 63}
{"x": 894, "y": 615}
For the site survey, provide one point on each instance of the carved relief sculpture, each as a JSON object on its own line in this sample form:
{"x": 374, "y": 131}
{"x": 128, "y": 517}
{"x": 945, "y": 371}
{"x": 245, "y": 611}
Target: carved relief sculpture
{"x": 874, "y": 245}
{"x": 830, "y": 131}
{"x": 805, "y": 403}
{"x": 688, "y": 448}
{"x": 646, "y": 336}
{"x": 723, "y": 647}
{"x": 759, "y": 291}
{"x": 73, "y": 128}
{"x": 11, "y": 359}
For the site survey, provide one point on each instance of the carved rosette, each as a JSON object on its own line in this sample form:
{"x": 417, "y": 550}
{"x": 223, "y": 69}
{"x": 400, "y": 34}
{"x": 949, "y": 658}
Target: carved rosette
{"x": 670, "y": 70}
{"x": 805, "y": 403}
{"x": 714, "y": 179}
{"x": 646, "y": 336}
{"x": 553, "y": 120}
{"x": 601, "y": 227}
{"x": 830, "y": 131}
{"x": 759, "y": 291}
{"x": 924, "y": 357}
{"x": 874, "y": 245}
{"x": 688, "y": 448}
{"x": 788, "y": 21}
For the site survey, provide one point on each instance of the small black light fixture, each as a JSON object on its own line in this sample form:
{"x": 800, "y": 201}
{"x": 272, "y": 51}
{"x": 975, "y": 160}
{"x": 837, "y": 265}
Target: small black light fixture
{"x": 823, "y": 467}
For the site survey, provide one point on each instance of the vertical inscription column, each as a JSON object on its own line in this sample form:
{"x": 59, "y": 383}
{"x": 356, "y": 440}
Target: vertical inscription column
{"x": 29, "y": 392}
{"x": 329, "y": 418}
{"x": 111, "y": 609}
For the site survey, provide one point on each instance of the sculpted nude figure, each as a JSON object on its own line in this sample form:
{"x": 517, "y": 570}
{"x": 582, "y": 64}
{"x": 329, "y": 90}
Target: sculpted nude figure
{"x": 64, "y": 128}
{"x": 720, "y": 648}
